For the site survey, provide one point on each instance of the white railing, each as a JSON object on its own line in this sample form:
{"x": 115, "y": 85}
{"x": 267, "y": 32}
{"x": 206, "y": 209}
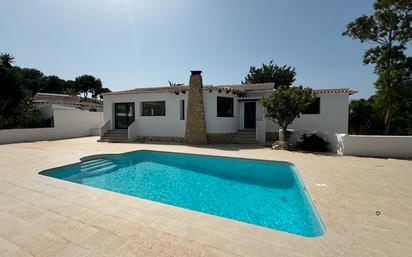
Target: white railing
{"x": 132, "y": 131}
{"x": 105, "y": 127}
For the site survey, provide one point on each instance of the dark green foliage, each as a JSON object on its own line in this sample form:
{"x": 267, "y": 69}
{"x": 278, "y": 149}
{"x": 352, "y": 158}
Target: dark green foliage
{"x": 360, "y": 117}
{"x": 280, "y": 75}
{"x": 10, "y": 87}
{"x": 87, "y": 84}
{"x": 18, "y": 85}
{"x": 33, "y": 80}
{"x": 286, "y": 104}
{"x": 99, "y": 93}
{"x": 174, "y": 84}
{"x": 389, "y": 30}
{"x": 70, "y": 91}
{"x": 6, "y": 59}
{"x": 16, "y": 105}
{"x": 26, "y": 116}
{"x": 366, "y": 117}
{"x": 312, "y": 143}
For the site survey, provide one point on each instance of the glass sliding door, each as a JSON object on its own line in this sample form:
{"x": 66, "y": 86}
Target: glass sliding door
{"x": 124, "y": 115}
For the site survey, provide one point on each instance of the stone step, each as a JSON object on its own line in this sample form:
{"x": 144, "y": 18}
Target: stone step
{"x": 117, "y": 131}
{"x": 242, "y": 141}
{"x": 115, "y": 135}
{"x": 244, "y": 134}
{"x": 243, "y": 138}
{"x": 113, "y": 140}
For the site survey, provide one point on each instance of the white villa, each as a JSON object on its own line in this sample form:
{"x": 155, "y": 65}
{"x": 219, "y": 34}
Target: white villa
{"x": 200, "y": 113}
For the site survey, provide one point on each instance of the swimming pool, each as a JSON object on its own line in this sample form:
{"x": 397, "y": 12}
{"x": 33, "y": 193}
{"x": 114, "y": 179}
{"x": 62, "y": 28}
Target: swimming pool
{"x": 264, "y": 193}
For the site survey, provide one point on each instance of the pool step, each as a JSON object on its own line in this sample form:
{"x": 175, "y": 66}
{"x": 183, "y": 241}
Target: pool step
{"x": 95, "y": 166}
{"x": 97, "y": 172}
{"x": 92, "y": 162}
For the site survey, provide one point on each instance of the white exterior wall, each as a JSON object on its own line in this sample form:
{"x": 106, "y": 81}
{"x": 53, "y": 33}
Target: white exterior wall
{"x": 333, "y": 117}
{"x": 169, "y": 125}
{"x": 216, "y": 124}
{"x": 259, "y": 111}
{"x": 241, "y": 115}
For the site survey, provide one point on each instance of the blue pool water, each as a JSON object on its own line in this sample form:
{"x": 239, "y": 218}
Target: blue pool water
{"x": 265, "y": 193}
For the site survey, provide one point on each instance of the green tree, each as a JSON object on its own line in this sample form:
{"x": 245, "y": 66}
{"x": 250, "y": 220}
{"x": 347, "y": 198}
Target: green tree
{"x": 33, "y": 80}
{"x": 10, "y": 85}
{"x": 18, "y": 85}
{"x": 6, "y": 59}
{"x": 389, "y": 29}
{"x": 53, "y": 84}
{"x": 174, "y": 84}
{"x": 27, "y": 116}
{"x": 285, "y": 104}
{"x": 87, "y": 84}
{"x": 280, "y": 75}
{"x": 99, "y": 93}
{"x": 365, "y": 117}
{"x": 70, "y": 91}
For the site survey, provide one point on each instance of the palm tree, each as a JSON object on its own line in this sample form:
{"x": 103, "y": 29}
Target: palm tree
{"x": 6, "y": 59}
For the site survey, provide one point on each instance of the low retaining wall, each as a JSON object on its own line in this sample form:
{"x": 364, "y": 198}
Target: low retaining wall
{"x": 219, "y": 138}
{"x": 67, "y": 124}
{"x": 362, "y": 145}
{"x": 378, "y": 146}
{"x": 159, "y": 139}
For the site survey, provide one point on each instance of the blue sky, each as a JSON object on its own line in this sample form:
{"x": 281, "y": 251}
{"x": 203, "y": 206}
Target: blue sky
{"x": 129, "y": 44}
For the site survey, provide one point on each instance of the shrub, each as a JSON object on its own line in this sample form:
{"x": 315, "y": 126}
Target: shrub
{"x": 312, "y": 143}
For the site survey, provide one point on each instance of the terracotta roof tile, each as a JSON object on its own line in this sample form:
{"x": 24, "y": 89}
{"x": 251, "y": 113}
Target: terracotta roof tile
{"x": 249, "y": 90}
{"x": 47, "y": 98}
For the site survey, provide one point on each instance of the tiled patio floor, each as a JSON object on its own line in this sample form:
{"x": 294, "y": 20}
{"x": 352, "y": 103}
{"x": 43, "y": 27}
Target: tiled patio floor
{"x": 42, "y": 216}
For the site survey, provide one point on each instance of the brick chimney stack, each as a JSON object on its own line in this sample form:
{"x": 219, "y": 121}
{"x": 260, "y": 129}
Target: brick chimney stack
{"x": 195, "y": 122}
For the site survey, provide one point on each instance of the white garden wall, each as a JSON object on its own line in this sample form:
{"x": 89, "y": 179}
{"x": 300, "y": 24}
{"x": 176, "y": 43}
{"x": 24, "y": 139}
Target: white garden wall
{"x": 378, "y": 146}
{"x": 68, "y": 123}
{"x": 362, "y": 145}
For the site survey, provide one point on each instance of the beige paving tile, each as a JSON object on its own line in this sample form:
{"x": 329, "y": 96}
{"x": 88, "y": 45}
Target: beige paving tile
{"x": 103, "y": 243}
{"x": 132, "y": 250}
{"x": 8, "y": 249}
{"x": 33, "y": 241}
{"x": 213, "y": 252}
{"x": 174, "y": 246}
{"x": 42, "y": 216}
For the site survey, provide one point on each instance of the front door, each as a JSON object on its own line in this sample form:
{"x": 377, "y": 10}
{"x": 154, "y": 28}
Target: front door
{"x": 124, "y": 115}
{"x": 250, "y": 115}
